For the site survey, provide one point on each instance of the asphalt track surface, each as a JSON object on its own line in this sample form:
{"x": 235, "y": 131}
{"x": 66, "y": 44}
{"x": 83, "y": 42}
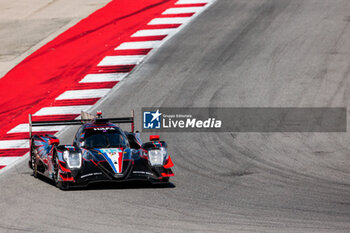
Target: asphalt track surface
{"x": 261, "y": 53}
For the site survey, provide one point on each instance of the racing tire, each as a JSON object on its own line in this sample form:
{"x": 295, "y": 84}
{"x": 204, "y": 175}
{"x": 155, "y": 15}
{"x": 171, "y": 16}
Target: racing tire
{"x": 33, "y": 162}
{"x": 165, "y": 180}
{"x": 35, "y": 170}
{"x": 62, "y": 185}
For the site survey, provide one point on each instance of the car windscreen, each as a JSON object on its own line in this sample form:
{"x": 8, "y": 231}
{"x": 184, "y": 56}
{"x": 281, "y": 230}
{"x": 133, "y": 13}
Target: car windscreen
{"x": 105, "y": 138}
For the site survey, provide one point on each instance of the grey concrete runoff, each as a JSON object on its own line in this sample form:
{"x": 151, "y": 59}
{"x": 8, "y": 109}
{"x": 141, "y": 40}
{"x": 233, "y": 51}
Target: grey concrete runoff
{"x": 26, "y": 25}
{"x": 257, "y": 53}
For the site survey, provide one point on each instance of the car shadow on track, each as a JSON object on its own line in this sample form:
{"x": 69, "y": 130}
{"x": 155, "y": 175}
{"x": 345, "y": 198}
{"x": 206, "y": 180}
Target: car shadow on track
{"x": 113, "y": 185}
{"x": 128, "y": 185}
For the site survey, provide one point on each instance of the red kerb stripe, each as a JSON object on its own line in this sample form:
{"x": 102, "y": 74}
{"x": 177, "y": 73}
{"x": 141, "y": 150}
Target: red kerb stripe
{"x": 112, "y": 69}
{"x": 161, "y": 26}
{"x": 147, "y": 38}
{"x": 13, "y": 152}
{"x": 65, "y": 60}
{"x": 73, "y": 102}
{"x": 97, "y": 85}
{"x": 191, "y": 5}
{"x": 55, "y": 117}
{"x": 131, "y": 52}
{"x": 176, "y": 15}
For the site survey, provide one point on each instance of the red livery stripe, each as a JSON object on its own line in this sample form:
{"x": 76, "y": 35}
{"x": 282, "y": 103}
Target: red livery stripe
{"x": 169, "y": 163}
{"x": 65, "y": 177}
{"x": 62, "y": 167}
{"x": 120, "y": 161}
{"x": 167, "y": 175}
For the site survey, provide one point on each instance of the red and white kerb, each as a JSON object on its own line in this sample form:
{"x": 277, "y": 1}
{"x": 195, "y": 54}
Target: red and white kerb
{"x": 102, "y": 78}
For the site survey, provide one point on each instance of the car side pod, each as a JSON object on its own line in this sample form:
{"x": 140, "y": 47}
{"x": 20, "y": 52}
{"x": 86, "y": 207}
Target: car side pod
{"x": 169, "y": 163}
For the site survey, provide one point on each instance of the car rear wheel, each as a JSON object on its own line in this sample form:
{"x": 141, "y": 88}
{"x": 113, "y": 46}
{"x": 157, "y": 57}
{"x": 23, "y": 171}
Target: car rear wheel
{"x": 33, "y": 162}
{"x": 166, "y": 179}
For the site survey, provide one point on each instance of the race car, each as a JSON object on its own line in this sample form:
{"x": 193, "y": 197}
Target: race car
{"x": 101, "y": 151}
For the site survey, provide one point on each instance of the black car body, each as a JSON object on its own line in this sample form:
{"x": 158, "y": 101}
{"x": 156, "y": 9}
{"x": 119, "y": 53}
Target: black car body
{"x": 101, "y": 151}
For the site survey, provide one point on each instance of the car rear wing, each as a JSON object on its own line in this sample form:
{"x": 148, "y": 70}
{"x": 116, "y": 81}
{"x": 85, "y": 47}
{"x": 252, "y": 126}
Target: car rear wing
{"x": 85, "y": 118}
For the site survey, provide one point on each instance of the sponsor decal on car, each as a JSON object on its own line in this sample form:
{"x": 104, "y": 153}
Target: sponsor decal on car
{"x": 91, "y": 174}
{"x": 114, "y": 158}
{"x": 104, "y": 128}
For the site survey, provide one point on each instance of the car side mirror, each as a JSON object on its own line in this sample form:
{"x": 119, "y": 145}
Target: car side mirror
{"x": 154, "y": 137}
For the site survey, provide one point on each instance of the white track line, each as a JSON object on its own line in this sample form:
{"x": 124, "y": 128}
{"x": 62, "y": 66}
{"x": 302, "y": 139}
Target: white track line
{"x": 62, "y": 110}
{"x": 182, "y": 10}
{"x": 192, "y": 1}
{"x": 171, "y": 20}
{"x": 14, "y": 144}
{"x": 139, "y": 45}
{"x": 23, "y": 128}
{"x": 83, "y": 94}
{"x": 154, "y": 32}
{"x": 106, "y": 77}
{"x": 121, "y": 60}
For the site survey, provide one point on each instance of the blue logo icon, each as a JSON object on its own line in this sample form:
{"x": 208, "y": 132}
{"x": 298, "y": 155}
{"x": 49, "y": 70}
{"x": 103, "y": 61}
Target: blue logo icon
{"x": 151, "y": 120}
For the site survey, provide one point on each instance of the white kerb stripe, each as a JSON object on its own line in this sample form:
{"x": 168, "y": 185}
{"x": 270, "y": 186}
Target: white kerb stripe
{"x": 182, "y": 10}
{"x": 154, "y": 32}
{"x": 23, "y": 128}
{"x": 14, "y": 144}
{"x": 62, "y": 110}
{"x": 171, "y": 20}
{"x": 105, "y": 77}
{"x": 192, "y": 1}
{"x": 8, "y": 160}
{"x": 83, "y": 94}
{"x": 139, "y": 45}
{"x": 121, "y": 60}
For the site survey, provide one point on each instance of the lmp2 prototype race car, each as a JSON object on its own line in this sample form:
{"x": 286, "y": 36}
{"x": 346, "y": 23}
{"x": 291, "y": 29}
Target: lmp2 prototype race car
{"x": 101, "y": 151}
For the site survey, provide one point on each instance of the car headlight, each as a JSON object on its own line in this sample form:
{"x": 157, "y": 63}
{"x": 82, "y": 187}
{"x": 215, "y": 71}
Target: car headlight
{"x": 157, "y": 157}
{"x": 73, "y": 159}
